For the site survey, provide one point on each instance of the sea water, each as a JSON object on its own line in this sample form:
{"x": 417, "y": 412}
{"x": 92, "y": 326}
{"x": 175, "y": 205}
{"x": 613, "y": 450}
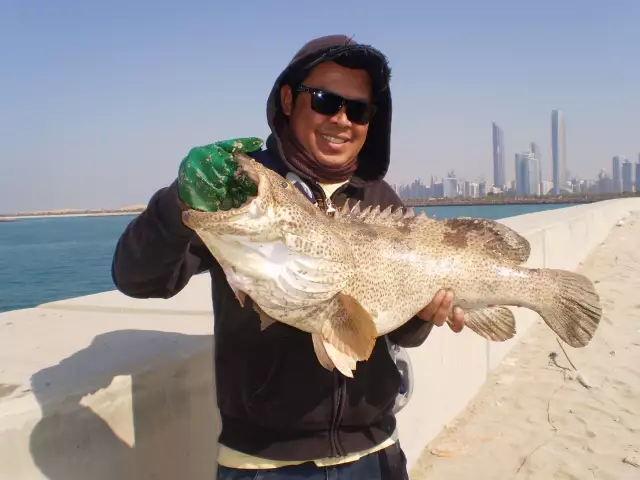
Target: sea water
{"x": 48, "y": 259}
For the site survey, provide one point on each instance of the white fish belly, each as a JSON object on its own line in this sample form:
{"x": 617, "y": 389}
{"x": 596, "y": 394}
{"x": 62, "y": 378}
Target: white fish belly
{"x": 286, "y": 284}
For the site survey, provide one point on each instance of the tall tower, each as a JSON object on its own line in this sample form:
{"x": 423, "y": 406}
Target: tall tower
{"x": 527, "y": 174}
{"x": 498, "y": 157}
{"x": 617, "y": 173}
{"x": 536, "y": 153}
{"x": 628, "y": 176}
{"x": 638, "y": 174}
{"x": 558, "y": 147}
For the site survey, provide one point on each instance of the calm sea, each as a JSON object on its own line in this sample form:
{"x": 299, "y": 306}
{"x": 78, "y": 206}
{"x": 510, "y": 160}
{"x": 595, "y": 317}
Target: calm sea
{"x": 47, "y": 259}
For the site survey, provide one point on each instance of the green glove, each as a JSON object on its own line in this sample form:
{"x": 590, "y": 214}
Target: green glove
{"x": 206, "y": 177}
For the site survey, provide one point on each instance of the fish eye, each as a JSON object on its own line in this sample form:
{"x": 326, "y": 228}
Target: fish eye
{"x": 284, "y": 184}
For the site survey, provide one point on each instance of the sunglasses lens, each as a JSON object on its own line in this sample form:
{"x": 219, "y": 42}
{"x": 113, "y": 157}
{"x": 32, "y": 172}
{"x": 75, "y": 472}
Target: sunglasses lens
{"x": 359, "y": 112}
{"x": 326, "y": 103}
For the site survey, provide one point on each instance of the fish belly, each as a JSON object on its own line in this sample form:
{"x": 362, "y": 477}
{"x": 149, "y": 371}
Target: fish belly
{"x": 288, "y": 286}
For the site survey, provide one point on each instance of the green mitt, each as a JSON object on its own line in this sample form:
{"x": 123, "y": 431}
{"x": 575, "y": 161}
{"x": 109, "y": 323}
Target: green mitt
{"x": 206, "y": 177}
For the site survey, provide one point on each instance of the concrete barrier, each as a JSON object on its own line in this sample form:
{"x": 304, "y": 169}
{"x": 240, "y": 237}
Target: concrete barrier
{"x": 108, "y": 387}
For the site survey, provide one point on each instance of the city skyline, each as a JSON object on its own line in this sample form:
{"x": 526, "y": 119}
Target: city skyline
{"x": 528, "y": 177}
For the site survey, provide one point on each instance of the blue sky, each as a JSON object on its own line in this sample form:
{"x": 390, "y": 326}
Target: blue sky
{"x": 99, "y": 101}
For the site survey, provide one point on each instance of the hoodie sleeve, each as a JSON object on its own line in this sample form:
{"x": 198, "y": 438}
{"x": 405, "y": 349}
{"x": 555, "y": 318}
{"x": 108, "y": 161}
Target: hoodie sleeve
{"x": 157, "y": 255}
{"x": 415, "y": 331}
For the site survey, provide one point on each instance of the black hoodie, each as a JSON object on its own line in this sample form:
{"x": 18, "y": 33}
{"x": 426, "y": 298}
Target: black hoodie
{"x": 276, "y": 401}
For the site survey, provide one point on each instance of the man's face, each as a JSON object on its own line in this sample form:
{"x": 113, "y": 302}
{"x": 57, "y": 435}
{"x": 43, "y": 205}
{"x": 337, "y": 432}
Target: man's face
{"x": 332, "y": 140}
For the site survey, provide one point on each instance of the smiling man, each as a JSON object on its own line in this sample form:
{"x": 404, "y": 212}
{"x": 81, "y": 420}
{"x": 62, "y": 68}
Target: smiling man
{"x": 283, "y": 414}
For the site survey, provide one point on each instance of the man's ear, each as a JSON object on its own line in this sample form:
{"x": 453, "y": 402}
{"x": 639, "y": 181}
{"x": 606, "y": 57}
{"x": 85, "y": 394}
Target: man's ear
{"x": 286, "y": 99}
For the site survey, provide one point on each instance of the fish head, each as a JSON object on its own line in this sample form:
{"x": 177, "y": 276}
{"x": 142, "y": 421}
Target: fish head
{"x": 277, "y": 208}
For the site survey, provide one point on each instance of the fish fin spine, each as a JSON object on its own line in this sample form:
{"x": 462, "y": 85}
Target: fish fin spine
{"x": 330, "y": 358}
{"x": 265, "y": 320}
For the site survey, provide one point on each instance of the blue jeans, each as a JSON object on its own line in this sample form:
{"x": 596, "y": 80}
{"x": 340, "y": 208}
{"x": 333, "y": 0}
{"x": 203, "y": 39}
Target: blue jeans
{"x": 387, "y": 464}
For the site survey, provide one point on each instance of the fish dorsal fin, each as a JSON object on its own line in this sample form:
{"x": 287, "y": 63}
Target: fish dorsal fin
{"x": 498, "y": 239}
{"x": 374, "y": 215}
{"x": 495, "y": 237}
{"x": 365, "y": 213}
{"x": 397, "y": 214}
{"x": 355, "y": 211}
{"x": 386, "y": 213}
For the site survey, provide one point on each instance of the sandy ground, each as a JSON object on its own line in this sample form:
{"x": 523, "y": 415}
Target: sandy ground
{"x": 534, "y": 419}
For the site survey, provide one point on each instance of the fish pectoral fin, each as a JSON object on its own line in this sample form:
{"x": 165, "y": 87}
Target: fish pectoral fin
{"x": 330, "y": 358}
{"x": 493, "y": 323}
{"x": 321, "y": 352}
{"x": 265, "y": 320}
{"x": 495, "y": 237}
{"x": 352, "y": 330}
{"x": 241, "y": 296}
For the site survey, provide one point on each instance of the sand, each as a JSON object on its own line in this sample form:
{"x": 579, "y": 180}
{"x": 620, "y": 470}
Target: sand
{"x": 535, "y": 420}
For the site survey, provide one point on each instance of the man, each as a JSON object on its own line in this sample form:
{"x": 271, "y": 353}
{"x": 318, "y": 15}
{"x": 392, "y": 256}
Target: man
{"x": 283, "y": 414}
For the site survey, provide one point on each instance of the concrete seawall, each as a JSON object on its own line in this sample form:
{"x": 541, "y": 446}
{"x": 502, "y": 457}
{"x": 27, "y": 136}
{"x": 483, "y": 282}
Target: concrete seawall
{"x": 108, "y": 387}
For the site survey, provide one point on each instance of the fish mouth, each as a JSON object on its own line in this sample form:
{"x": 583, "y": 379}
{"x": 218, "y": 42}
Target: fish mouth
{"x": 246, "y": 167}
{"x": 230, "y": 219}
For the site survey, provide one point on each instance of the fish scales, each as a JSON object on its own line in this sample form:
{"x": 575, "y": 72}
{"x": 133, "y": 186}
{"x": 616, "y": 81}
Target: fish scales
{"x": 400, "y": 267}
{"x": 364, "y": 272}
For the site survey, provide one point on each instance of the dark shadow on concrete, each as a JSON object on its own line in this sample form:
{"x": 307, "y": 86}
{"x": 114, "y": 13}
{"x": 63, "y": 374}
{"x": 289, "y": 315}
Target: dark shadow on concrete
{"x": 175, "y": 417}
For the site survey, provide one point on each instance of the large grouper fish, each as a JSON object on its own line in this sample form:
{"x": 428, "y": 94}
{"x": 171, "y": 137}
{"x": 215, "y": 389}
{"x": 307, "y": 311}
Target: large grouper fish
{"x": 348, "y": 278}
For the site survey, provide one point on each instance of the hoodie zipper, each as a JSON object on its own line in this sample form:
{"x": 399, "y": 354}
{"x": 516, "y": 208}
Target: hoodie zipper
{"x": 339, "y": 383}
{"x": 324, "y": 202}
{"x": 339, "y": 390}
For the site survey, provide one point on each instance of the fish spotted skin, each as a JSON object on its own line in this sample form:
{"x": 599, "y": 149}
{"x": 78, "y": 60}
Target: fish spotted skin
{"x": 363, "y": 273}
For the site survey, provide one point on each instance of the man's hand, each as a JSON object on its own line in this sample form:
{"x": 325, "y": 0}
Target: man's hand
{"x": 440, "y": 308}
{"x": 206, "y": 179}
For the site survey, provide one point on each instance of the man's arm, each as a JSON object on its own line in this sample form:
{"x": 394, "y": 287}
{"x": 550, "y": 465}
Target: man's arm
{"x": 157, "y": 254}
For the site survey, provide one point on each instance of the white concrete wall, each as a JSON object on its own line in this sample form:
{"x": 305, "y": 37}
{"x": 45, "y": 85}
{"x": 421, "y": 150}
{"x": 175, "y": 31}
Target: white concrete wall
{"x": 108, "y": 387}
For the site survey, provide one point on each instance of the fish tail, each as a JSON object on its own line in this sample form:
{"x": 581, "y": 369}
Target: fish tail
{"x": 570, "y": 306}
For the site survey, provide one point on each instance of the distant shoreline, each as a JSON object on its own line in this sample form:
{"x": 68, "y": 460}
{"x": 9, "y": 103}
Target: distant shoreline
{"x": 70, "y": 213}
{"x": 411, "y": 202}
{"x": 506, "y": 200}
{"x": 489, "y": 202}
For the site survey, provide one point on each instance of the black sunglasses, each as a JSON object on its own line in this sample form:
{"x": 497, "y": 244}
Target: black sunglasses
{"x": 328, "y": 103}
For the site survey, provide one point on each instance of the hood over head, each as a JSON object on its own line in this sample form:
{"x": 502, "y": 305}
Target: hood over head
{"x": 374, "y": 158}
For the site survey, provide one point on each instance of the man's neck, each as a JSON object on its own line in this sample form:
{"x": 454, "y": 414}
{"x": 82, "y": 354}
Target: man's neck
{"x": 329, "y": 188}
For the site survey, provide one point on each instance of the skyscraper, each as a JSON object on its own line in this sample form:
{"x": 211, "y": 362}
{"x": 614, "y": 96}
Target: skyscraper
{"x": 450, "y": 185}
{"x": 527, "y": 174}
{"x": 628, "y": 175}
{"x": 616, "y": 169}
{"x": 535, "y": 149}
{"x": 498, "y": 157}
{"x": 559, "y": 151}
